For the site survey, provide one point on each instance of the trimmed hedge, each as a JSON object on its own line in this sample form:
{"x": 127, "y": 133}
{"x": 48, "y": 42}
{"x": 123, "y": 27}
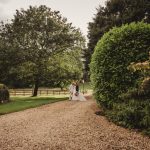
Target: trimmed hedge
{"x": 4, "y": 94}
{"x": 113, "y": 54}
{"x": 115, "y": 87}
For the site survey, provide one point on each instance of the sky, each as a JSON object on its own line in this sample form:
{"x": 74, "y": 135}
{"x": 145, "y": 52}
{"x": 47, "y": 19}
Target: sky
{"x": 79, "y": 12}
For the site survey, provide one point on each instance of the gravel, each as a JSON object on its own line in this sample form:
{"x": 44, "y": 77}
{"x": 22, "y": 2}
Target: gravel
{"x": 66, "y": 125}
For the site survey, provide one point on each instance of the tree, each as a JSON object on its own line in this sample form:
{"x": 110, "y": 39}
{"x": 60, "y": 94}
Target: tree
{"x": 61, "y": 68}
{"x": 7, "y": 55}
{"x": 36, "y": 35}
{"x": 115, "y": 13}
{"x": 64, "y": 66}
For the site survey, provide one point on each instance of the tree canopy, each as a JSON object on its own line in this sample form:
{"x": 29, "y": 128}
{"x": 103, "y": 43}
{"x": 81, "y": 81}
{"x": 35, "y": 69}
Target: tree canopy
{"x": 32, "y": 39}
{"x": 115, "y": 13}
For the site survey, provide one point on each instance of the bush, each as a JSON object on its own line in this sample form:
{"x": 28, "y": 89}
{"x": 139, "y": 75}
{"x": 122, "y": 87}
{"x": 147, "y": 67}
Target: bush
{"x": 145, "y": 86}
{"x": 137, "y": 94}
{"x": 123, "y": 95}
{"x": 4, "y": 94}
{"x": 131, "y": 114}
{"x": 112, "y": 56}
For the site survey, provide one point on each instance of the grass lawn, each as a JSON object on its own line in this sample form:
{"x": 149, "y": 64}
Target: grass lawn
{"x": 22, "y": 103}
{"x": 86, "y": 87}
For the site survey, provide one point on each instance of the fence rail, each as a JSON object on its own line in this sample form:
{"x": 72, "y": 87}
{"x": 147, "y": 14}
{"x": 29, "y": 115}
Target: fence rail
{"x": 29, "y": 92}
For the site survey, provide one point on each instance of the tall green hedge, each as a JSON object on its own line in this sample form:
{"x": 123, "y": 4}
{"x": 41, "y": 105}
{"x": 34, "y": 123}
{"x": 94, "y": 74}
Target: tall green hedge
{"x": 4, "y": 94}
{"x": 113, "y": 54}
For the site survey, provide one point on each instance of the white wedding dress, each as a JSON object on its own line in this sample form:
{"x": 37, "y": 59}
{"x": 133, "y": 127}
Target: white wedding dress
{"x": 78, "y": 97}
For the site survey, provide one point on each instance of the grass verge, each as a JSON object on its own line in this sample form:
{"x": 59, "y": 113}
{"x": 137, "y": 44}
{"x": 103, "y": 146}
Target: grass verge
{"x": 22, "y": 103}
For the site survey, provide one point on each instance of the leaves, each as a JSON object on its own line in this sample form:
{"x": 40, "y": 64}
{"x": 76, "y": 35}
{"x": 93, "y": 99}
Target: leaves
{"x": 112, "y": 56}
{"x": 33, "y": 38}
{"x": 115, "y": 13}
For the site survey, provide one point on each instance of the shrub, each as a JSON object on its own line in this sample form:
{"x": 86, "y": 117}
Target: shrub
{"x": 4, "y": 94}
{"x": 112, "y": 56}
{"x": 131, "y": 114}
{"x": 123, "y": 93}
{"x": 146, "y": 85}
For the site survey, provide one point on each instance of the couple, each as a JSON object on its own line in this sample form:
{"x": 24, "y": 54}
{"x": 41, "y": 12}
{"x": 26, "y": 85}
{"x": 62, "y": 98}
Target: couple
{"x": 75, "y": 94}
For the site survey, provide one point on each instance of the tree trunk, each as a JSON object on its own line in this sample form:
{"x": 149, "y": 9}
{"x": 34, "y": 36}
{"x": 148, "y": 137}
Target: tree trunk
{"x": 35, "y": 92}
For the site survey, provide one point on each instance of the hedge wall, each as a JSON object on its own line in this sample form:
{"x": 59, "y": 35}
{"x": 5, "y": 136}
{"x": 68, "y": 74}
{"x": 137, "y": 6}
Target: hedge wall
{"x": 113, "y": 54}
{"x": 4, "y": 94}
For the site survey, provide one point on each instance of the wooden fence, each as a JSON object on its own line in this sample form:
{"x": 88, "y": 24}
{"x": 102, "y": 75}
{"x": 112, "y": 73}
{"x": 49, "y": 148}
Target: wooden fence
{"x": 44, "y": 92}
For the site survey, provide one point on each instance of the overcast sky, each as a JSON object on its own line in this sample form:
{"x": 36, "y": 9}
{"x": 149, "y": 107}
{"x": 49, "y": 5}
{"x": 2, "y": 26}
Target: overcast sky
{"x": 79, "y": 12}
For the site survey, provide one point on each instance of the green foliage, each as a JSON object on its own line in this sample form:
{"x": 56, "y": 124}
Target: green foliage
{"x": 4, "y": 94}
{"x": 144, "y": 69}
{"x": 113, "y": 54}
{"x": 2, "y": 86}
{"x": 145, "y": 86}
{"x": 123, "y": 94}
{"x": 131, "y": 113}
{"x": 115, "y": 13}
{"x": 87, "y": 86}
{"x": 30, "y": 42}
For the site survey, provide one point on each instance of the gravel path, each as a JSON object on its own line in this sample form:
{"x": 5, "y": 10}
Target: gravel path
{"x": 66, "y": 126}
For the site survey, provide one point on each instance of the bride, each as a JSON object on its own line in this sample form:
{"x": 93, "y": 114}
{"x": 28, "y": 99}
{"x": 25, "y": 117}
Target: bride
{"x": 77, "y": 95}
